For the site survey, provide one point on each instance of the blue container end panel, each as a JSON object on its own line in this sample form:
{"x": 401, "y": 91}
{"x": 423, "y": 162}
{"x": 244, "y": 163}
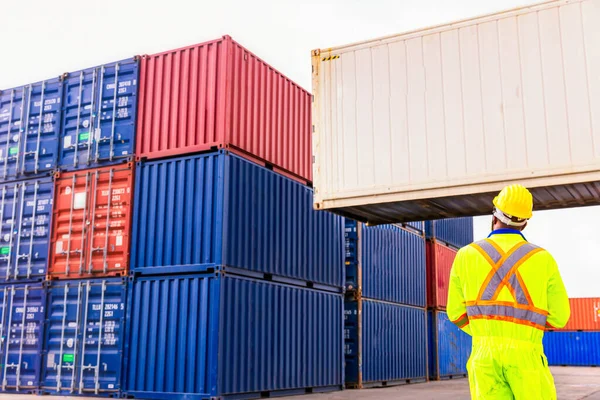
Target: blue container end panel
{"x": 99, "y": 117}
{"x": 386, "y": 263}
{"x": 26, "y": 208}
{"x": 208, "y": 336}
{"x": 84, "y": 337}
{"x": 568, "y": 348}
{"x": 454, "y": 232}
{"x": 23, "y": 309}
{"x": 385, "y": 344}
{"x": 30, "y": 122}
{"x": 449, "y": 347}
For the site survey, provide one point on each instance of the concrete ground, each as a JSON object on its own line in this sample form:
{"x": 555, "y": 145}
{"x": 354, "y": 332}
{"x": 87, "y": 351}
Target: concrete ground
{"x": 572, "y": 383}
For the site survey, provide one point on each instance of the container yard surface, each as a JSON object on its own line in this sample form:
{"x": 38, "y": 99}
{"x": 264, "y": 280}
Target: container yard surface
{"x": 572, "y": 383}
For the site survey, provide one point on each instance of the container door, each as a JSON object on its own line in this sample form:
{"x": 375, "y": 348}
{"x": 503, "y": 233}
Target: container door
{"x": 23, "y": 333}
{"x": 102, "y": 340}
{"x": 42, "y": 127}
{"x": 12, "y": 108}
{"x": 110, "y": 210}
{"x": 62, "y": 333}
{"x": 33, "y": 236}
{"x": 69, "y": 225}
{"x": 99, "y": 118}
{"x": 92, "y": 223}
{"x": 9, "y": 209}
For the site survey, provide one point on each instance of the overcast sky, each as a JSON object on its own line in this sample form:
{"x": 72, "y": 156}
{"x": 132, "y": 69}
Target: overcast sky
{"x": 42, "y": 39}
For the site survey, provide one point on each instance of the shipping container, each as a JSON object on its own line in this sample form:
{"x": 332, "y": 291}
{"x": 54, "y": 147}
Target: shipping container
{"x": 21, "y": 329}
{"x": 209, "y": 336}
{"x": 219, "y": 95}
{"x": 572, "y": 348}
{"x": 29, "y": 132}
{"x": 454, "y": 232}
{"x": 99, "y": 115}
{"x": 385, "y": 344}
{"x": 83, "y": 345}
{"x": 433, "y": 123}
{"x": 449, "y": 347}
{"x": 585, "y": 314}
{"x": 91, "y": 223}
{"x": 385, "y": 263}
{"x": 25, "y": 215}
{"x": 439, "y": 265}
{"x": 200, "y": 212}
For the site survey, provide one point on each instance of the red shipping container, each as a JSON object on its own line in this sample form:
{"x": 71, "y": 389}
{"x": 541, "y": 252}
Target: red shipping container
{"x": 439, "y": 264}
{"x": 91, "y": 223}
{"x": 219, "y": 95}
{"x": 585, "y": 314}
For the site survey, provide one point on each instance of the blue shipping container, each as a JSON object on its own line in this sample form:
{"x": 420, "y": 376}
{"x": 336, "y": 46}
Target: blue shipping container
{"x": 83, "y": 343}
{"x": 386, "y": 262}
{"x": 449, "y": 347}
{"x": 197, "y": 213}
{"x": 99, "y": 116}
{"x": 22, "y": 327}
{"x": 26, "y": 211}
{"x": 204, "y": 336}
{"x": 572, "y": 348}
{"x": 30, "y": 129}
{"x": 455, "y": 232}
{"x": 385, "y": 344}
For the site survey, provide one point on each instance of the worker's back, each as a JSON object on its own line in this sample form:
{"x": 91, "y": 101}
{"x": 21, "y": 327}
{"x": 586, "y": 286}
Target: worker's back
{"x": 505, "y": 291}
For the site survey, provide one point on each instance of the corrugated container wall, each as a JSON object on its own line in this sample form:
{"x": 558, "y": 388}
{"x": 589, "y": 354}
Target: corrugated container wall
{"x": 433, "y": 123}
{"x": 572, "y": 348}
{"x": 454, "y": 232}
{"x": 439, "y": 265}
{"x": 29, "y": 132}
{"x": 227, "y": 211}
{"x": 99, "y": 115}
{"x": 91, "y": 223}
{"x": 385, "y": 344}
{"x": 209, "y": 336}
{"x": 386, "y": 263}
{"x": 22, "y": 327}
{"x": 83, "y": 344}
{"x": 26, "y": 212}
{"x": 449, "y": 348}
{"x": 218, "y": 94}
{"x": 585, "y": 314}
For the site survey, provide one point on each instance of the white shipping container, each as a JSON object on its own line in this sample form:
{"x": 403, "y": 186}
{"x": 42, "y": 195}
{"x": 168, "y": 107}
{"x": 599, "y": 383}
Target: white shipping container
{"x": 432, "y": 123}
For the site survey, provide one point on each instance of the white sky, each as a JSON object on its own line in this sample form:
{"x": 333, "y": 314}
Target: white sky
{"x": 42, "y": 39}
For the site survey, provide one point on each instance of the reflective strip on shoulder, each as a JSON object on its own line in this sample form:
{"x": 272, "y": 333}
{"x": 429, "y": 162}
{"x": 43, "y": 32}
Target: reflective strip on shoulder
{"x": 488, "y": 250}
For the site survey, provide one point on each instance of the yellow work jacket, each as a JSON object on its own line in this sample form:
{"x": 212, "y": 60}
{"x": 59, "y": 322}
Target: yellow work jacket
{"x": 506, "y": 287}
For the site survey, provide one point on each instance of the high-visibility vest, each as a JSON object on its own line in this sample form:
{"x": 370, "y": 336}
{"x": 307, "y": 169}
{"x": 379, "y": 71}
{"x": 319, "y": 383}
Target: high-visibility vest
{"x": 506, "y": 286}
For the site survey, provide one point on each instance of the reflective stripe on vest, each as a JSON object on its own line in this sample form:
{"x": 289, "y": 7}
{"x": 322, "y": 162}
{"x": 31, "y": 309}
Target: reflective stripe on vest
{"x": 504, "y": 273}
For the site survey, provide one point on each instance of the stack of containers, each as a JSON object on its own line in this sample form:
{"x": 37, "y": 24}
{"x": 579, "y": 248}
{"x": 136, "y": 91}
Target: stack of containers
{"x": 236, "y": 286}
{"x": 29, "y": 128}
{"x": 449, "y": 347}
{"x": 86, "y": 288}
{"x": 578, "y": 343}
{"x": 385, "y": 316}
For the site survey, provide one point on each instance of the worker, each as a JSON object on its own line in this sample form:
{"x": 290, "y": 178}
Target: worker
{"x": 505, "y": 291}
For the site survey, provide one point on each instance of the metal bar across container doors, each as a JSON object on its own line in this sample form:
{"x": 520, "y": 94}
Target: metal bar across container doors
{"x": 23, "y": 308}
{"x": 99, "y": 115}
{"x": 84, "y": 337}
{"x": 91, "y": 223}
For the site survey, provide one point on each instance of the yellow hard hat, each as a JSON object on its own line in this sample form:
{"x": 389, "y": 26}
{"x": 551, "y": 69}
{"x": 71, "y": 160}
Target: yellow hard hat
{"x": 515, "y": 201}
